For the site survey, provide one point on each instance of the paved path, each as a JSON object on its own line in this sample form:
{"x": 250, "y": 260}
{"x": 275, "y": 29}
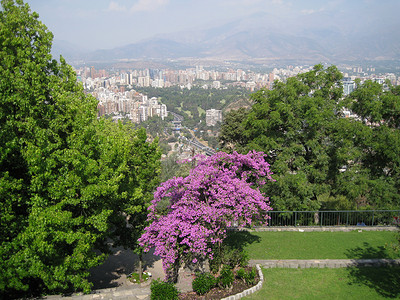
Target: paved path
{"x": 110, "y": 294}
{"x": 125, "y": 290}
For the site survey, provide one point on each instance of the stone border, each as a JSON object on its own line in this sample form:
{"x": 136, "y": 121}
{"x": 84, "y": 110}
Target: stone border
{"x": 325, "y": 228}
{"x": 251, "y": 290}
{"x": 326, "y": 263}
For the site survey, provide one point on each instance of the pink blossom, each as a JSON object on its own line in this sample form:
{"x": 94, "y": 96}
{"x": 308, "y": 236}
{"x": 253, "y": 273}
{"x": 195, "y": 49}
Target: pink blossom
{"x": 220, "y": 190}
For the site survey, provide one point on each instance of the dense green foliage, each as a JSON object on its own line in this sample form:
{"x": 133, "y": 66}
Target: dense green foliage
{"x": 321, "y": 159}
{"x": 232, "y": 136}
{"x": 377, "y": 139}
{"x": 250, "y": 276}
{"x": 241, "y": 273}
{"x": 68, "y": 181}
{"x": 203, "y": 283}
{"x": 226, "y": 277}
{"x": 161, "y": 290}
{"x": 228, "y": 256}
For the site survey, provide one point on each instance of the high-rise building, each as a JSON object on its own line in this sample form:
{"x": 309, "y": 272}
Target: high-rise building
{"x": 92, "y": 72}
{"x": 348, "y": 85}
{"x": 213, "y": 116}
{"x": 216, "y": 84}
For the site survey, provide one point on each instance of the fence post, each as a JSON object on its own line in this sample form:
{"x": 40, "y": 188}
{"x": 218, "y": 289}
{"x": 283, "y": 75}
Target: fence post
{"x": 347, "y": 219}
{"x": 322, "y": 217}
{"x": 373, "y": 214}
{"x": 295, "y": 218}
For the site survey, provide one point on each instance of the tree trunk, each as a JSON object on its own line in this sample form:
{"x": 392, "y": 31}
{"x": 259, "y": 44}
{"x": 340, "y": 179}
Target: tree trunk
{"x": 140, "y": 271}
{"x": 174, "y": 271}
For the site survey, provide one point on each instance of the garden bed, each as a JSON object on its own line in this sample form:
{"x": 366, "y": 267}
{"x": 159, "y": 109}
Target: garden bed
{"x": 134, "y": 278}
{"x": 237, "y": 287}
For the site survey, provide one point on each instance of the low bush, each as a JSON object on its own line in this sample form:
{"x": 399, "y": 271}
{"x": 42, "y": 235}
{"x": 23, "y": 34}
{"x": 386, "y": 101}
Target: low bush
{"x": 235, "y": 257}
{"x": 226, "y": 277}
{"x": 241, "y": 274}
{"x": 250, "y": 276}
{"x": 203, "y": 283}
{"x": 161, "y": 290}
{"x": 230, "y": 256}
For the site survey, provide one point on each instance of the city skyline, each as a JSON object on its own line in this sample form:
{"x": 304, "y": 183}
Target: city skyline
{"x": 106, "y": 24}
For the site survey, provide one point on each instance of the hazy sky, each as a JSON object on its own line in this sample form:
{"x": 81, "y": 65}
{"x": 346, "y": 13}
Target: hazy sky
{"x": 95, "y": 24}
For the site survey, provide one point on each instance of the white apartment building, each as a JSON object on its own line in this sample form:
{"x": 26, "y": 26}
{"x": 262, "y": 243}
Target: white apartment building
{"x": 213, "y": 116}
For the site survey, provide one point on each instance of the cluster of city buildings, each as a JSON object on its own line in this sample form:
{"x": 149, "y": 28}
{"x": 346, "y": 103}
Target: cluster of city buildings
{"x": 117, "y": 96}
{"x": 92, "y": 78}
{"x": 128, "y": 104}
{"x": 138, "y": 107}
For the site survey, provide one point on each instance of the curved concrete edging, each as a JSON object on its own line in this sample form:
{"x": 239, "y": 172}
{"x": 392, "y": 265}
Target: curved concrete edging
{"x": 251, "y": 290}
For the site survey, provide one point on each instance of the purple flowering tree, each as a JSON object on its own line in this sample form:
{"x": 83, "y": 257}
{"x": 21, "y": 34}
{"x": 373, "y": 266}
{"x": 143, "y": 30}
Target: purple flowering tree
{"x": 190, "y": 215}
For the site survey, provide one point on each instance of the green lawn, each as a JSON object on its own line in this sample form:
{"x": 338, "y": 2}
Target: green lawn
{"x": 343, "y": 283}
{"x": 316, "y": 245}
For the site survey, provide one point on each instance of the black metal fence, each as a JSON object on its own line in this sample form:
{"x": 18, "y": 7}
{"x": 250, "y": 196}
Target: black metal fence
{"x": 335, "y": 218}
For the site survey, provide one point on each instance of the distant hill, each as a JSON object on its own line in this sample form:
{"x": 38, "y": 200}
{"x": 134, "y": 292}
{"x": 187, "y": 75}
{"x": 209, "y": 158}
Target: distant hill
{"x": 259, "y": 36}
{"x": 245, "y": 103}
{"x": 155, "y": 48}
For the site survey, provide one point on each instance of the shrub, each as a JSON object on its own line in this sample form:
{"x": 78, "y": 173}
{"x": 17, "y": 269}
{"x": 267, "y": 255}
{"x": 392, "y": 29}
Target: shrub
{"x": 228, "y": 256}
{"x": 203, "y": 283}
{"x": 234, "y": 257}
{"x": 250, "y": 277}
{"x": 241, "y": 274}
{"x": 216, "y": 262}
{"x": 226, "y": 277}
{"x": 161, "y": 290}
{"x": 242, "y": 259}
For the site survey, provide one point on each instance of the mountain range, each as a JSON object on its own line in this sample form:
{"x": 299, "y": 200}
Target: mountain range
{"x": 257, "y": 37}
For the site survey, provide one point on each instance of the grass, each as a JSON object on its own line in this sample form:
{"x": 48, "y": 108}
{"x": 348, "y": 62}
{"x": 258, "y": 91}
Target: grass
{"x": 134, "y": 277}
{"x": 200, "y": 110}
{"x": 317, "y": 245}
{"x": 351, "y": 283}
{"x": 314, "y": 283}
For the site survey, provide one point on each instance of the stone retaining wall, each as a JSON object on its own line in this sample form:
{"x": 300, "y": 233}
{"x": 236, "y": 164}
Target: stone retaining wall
{"x": 325, "y": 263}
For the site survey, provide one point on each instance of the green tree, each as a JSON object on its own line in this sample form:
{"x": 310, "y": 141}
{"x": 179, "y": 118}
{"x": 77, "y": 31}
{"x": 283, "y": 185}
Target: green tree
{"x": 66, "y": 179}
{"x": 137, "y": 162}
{"x": 379, "y": 138}
{"x": 292, "y": 123}
{"x": 321, "y": 159}
{"x": 232, "y": 131}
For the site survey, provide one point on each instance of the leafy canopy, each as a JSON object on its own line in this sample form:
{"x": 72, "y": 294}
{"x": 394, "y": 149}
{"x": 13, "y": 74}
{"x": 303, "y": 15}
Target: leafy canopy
{"x": 67, "y": 180}
{"x": 321, "y": 159}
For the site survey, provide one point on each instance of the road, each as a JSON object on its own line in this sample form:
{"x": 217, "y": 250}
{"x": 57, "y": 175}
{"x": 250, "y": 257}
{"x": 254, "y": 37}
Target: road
{"x": 194, "y": 141}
